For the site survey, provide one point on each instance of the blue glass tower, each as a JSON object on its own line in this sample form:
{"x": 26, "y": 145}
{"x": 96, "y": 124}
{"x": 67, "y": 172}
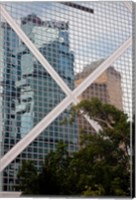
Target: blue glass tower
{"x": 38, "y": 93}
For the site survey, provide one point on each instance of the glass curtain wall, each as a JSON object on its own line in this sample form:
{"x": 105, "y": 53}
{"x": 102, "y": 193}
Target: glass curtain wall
{"x": 75, "y": 39}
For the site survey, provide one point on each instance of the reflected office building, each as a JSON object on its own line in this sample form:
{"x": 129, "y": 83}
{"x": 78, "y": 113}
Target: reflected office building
{"x": 107, "y": 87}
{"x": 38, "y": 93}
{"x": 8, "y": 92}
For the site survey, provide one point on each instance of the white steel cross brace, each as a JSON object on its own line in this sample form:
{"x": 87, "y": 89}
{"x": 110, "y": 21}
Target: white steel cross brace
{"x": 71, "y": 95}
{"x": 35, "y": 132}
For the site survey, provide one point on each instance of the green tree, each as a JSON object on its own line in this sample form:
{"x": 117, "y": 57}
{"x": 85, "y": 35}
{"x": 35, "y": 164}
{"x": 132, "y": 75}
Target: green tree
{"x": 50, "y": 180}
{"x": 100, "y": 168}
{"x": 102, "y": 165}
{"x": 53, "y": 175}
{"x": 28, "y": 178}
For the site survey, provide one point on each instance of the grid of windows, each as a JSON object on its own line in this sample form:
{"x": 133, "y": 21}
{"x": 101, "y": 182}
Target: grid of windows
{"x": 75, "y": 39}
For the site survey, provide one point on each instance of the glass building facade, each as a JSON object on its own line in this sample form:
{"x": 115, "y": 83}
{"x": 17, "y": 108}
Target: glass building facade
{"x": 71, "y": 42}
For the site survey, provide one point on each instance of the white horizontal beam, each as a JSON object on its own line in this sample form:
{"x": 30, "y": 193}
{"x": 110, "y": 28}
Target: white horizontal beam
{"x": 41, "y": 59}
{"x": 10, "y": 194}
{"x": 43, "y": 124}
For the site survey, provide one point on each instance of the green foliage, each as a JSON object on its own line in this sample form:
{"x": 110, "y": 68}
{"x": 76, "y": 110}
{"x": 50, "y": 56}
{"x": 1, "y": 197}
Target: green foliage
{"x": 97, "y": 190}
{"x": 28, "y": 178}
{"x": 100, "y": 168}
{"x": 52, "y": 177}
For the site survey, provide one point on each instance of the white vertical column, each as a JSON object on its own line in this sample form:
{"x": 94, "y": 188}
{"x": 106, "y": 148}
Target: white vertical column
{"x": 1, "y": 125}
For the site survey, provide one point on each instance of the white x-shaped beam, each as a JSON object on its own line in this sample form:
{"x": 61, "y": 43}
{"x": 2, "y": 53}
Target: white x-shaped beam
{"x": 72, "y": 96}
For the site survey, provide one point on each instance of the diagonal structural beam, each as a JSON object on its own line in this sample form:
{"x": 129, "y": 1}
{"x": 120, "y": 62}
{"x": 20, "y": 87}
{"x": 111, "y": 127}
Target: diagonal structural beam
{"x": 42, "y": 60}
{"x": 99, "y": 70}
{"x": 128, "y": 5}
{"x": 43, "y": 124}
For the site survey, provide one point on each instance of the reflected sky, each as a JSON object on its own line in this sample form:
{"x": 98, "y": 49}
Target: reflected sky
{"x": 91, "y": 35}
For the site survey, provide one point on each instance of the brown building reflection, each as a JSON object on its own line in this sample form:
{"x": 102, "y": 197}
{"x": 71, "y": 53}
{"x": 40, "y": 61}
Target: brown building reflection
{"x": 107, "y": 88}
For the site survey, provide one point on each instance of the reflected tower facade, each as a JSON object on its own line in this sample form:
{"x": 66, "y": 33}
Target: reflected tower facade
{"x": 8, "y": 92}
{"x": 38, "y": 93}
